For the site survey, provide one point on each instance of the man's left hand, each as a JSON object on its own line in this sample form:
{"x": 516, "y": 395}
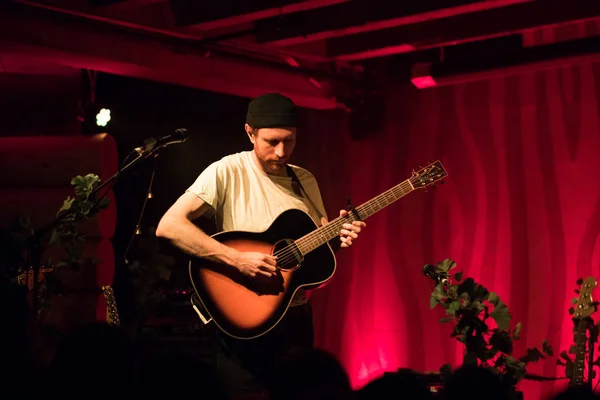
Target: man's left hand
{"x": 349, "y": 232}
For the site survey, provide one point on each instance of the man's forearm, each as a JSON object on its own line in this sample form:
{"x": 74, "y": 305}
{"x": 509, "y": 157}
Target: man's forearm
{"x": 192, "y": 240}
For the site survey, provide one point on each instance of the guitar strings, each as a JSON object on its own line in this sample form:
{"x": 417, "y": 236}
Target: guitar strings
{"x": 287, "y": 254}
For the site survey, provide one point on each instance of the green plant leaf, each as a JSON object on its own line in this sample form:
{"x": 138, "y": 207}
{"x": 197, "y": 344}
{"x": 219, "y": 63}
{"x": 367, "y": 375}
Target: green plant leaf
{"x": 501, "y": 315}
{"x": 455, "y": 332}
{"x": 66, "y": 205}
{"x": 493, "y": 298}
{"x": 453, "y": 307}
{"x": 432, "y": 301}
{"x": 501, "y": 340}
{"x": 446, "y": 265}
{"x": 438, "y": 294}
{"x": 533, "y": 355}
{"x": 84, "y": 185}
{"x": 458, "y": 276}
{"x": 464, "y": 300}
{"x": 489, "y": 354}
{"x": 476, "y": 305}
{"x": 78, "y": 181}
{"x": 480, "y": 293}
{"x": 563, "y": 354}
{"x": 517, "y": 331}
{"x": 500, "y": 361}
{"x": 446, "y": 320}
{"x": 467, "y": 286}
{"x": 453, "y": 291}
{"x": 517, "y": 363}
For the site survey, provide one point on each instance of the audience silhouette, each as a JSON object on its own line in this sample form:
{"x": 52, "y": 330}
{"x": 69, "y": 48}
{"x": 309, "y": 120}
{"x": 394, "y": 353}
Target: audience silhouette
{"x": 98, "y": 359}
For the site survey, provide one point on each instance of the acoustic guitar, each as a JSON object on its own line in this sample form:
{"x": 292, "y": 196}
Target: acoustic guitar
{"x": 247, "y": 308}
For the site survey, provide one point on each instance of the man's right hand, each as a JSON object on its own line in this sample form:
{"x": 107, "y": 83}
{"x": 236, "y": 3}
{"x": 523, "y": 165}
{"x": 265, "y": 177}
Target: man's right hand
{"x": 253, "y": 263}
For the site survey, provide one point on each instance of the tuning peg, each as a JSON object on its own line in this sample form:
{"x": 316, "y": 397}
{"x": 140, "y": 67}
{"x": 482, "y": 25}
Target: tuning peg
{"x": 579, "y": 281}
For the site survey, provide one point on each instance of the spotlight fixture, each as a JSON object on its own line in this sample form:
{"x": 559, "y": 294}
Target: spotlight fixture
{"x": 95, "y": 118}
{"x": 103, "y": 117}
{"x": 421, "y": 75}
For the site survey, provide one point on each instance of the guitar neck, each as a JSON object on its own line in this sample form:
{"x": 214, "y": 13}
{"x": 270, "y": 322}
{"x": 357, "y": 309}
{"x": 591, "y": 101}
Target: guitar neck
{"x": 328, "y": 232}
{"x": 580, "y": 346}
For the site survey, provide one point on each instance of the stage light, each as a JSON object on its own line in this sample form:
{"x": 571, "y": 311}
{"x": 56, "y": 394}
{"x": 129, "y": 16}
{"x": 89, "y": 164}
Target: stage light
{"x": 103, "y": 117}
{"x": 421, "y": 76}
{"x": 96, "y": 118}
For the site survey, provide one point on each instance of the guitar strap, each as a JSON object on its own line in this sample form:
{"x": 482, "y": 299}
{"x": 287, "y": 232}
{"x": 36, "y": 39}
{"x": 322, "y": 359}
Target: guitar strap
{"x": 295, "y": 179}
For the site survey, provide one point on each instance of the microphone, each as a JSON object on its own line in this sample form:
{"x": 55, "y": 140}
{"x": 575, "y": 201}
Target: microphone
{"x": 438, "y": 277}
{"x": 152, "y": 144}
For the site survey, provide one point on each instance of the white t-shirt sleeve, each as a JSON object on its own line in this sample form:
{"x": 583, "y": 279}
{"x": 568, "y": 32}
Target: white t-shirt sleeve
{"x": 210, "y": 185}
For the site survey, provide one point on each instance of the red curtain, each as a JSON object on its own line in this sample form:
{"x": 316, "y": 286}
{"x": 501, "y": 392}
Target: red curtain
{"x": 520, "y": 213}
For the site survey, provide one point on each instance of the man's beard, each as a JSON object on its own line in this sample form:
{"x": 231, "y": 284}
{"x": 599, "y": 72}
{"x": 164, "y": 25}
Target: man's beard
{"x": 274, "y": 166}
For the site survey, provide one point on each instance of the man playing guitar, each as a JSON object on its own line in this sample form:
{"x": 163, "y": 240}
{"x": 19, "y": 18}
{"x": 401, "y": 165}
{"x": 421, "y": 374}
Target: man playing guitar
{"x": 246, "y": 191}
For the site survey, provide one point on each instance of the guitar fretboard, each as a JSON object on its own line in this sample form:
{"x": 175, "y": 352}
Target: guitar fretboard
{"x": 326, "y": 233}
{"x": 579, "y": 363}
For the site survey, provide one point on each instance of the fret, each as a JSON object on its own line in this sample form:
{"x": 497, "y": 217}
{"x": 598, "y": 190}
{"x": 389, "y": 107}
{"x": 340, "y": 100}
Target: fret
{"x": 328, "y": 232}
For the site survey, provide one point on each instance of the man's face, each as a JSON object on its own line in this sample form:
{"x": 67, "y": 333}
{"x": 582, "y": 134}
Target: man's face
{"x": 273, "y": 147}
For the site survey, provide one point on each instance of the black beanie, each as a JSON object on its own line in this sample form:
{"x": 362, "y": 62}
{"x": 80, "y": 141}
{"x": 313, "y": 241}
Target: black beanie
{"x": 271, "y": 110}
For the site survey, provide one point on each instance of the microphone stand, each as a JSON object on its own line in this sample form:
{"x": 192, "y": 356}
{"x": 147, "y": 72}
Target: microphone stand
{"x": 33, "y": 243}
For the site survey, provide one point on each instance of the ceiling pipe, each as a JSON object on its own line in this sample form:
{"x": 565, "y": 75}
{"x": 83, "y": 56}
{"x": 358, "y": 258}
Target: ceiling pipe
{"x": 271, "y": 51}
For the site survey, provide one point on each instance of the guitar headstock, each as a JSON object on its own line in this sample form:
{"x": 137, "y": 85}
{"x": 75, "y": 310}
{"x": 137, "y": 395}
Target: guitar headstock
{"x": 585, "y": 302}
{"x": 112, "y": 314}
{"x": 429, "y": 175}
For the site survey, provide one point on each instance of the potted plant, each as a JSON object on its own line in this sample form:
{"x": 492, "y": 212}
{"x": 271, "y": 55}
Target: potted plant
{"x": 482, "y": 322}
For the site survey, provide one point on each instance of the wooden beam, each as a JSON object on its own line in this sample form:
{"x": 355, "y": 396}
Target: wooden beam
{"x": 361, "y": 16}
{"x": 207, "y": 15}
{"x": 526, "y": 60}
{"x": 124, "y": 5}
{"x": 461, "y": 29}
{"x": 83, "y": 44}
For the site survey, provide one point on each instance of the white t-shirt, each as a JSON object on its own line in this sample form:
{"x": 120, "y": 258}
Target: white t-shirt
{"x": 242, "y": 197}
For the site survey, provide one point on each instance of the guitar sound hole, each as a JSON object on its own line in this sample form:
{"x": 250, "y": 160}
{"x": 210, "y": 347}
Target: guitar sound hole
{"x": 288, "y": 254}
